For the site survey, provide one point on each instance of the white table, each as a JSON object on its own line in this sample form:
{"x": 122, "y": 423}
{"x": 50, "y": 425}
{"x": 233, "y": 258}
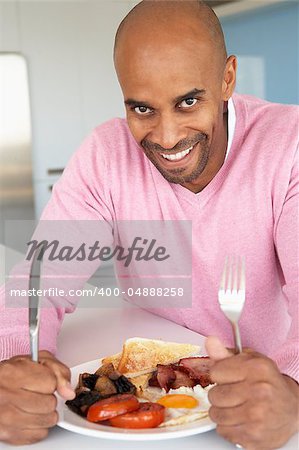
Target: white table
{"x": 92, "y": 333}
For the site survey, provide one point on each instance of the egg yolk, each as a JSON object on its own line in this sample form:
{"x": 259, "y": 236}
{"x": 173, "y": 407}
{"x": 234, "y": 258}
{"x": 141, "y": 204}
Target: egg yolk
{"x": 178, "y": 401}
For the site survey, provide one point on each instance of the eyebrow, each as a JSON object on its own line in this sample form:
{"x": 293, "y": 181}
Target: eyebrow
{"x": 190, "y": 94}
{"x": 132, "y": 102}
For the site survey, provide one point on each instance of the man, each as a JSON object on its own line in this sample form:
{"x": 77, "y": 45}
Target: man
{"x": 188, "y": 151}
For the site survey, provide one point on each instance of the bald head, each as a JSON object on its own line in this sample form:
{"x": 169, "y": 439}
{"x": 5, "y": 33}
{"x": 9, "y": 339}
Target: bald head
{"x": 175, "y": 77}
{"x": 162, "y": 18}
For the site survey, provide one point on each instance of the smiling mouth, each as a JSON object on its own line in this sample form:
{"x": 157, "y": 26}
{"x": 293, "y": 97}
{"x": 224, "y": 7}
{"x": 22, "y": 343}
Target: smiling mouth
{"x": 177, "y": 156}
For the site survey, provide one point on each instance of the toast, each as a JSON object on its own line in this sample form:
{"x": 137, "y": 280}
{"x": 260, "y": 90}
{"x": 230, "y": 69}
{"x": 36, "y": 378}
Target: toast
{"x": 140, "y": 356}
{"x": 114, "y": 359}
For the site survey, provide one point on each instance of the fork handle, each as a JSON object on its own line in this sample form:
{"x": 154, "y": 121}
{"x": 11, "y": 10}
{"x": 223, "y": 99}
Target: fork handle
{"x": 237, "y": 337}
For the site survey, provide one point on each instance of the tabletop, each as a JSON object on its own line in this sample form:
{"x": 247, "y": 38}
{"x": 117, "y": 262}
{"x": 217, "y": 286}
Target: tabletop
{"x": 91, "y": 333}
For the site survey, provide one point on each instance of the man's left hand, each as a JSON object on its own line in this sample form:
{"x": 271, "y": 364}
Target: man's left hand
{"x": 253, "y": 404}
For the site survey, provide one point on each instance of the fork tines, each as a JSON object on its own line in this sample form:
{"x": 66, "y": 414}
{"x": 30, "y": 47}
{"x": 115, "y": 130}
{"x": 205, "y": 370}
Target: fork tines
{"x": 232, "y": 285}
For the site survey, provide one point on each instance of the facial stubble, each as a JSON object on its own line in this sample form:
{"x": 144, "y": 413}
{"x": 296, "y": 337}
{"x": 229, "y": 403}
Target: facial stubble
{"x": 176, "y": 175}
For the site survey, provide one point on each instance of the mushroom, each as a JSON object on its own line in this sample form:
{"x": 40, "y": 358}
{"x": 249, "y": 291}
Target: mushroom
{"x": 105, "y": 386}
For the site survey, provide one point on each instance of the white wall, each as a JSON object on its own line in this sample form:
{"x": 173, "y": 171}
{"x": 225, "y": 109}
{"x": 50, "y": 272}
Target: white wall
{"x": 73, "y": 87}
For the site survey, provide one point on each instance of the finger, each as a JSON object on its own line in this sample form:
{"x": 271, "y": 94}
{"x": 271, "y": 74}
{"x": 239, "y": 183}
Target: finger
{"x": 233, "y": 369}
{"x": 12, "y": 436}
{"x": 18, "y": 358}
{"x": 251, "y": 366}
{"x": 229, "y": 416}
{"x": 22, "y": 420}
{"x": 63, "y": 375}
{"x": 251, "y": 438}
{"x": 25, "y": 374}
{"x": 249, "y": 350}
{"x": 235, "y": 434}
{"x": 32, "y": 402}
{"x": 228, "y": 395}
{"x": 215, "y": 348}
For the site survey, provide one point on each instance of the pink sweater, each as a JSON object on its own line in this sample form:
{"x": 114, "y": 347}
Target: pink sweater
{"x": 249, "y": 208}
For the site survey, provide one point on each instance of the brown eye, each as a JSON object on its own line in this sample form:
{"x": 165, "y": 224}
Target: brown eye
{"x": 188, "y": 103}
{"x": 142, "y": 110}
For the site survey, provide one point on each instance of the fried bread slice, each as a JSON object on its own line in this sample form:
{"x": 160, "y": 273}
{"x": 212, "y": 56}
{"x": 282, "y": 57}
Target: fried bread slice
{"x": 140, "y": 356}
{"x": 114, "y": 359}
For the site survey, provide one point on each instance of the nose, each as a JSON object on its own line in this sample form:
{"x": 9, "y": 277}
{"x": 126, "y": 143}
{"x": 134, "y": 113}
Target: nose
{"x": 167, "y": 132}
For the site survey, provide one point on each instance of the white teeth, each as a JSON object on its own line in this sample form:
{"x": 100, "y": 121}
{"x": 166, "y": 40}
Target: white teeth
{"x": 177, "y": 156}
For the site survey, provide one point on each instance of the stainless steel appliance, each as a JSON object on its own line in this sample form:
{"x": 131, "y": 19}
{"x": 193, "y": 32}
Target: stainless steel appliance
{"x": 16, "y": 186}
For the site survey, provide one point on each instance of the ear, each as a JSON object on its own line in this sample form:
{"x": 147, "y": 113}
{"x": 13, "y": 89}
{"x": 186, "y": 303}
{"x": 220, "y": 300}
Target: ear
{"x": 229, "y": 79}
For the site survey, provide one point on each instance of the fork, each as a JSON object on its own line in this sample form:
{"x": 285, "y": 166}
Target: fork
{"x": 231, "y": 294}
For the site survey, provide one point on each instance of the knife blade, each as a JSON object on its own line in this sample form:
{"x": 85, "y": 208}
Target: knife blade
{"x": 34, "y": 303}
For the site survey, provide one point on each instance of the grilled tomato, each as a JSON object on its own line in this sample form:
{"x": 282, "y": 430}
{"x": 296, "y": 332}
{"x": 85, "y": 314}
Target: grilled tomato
{"x": 149, "y": 415}
{"x": 111, "y": 407}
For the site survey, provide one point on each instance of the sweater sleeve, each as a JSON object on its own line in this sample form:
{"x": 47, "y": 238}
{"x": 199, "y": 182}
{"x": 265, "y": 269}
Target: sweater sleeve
{"x": 286, "y": 242}
{"x": 80, "y": 194}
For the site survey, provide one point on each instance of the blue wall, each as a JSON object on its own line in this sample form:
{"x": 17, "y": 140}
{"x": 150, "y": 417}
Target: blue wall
{"x": 272, "y": 33}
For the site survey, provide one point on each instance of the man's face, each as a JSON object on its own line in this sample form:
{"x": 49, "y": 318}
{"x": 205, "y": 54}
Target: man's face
{"x": 174, "y": 104}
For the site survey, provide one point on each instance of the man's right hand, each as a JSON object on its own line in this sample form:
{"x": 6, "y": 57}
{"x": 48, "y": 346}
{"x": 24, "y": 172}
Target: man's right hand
{"x": 27, "y": 400}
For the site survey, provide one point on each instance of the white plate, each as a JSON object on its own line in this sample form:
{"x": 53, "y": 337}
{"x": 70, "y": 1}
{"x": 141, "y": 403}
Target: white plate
{"x": 73, "y": 422}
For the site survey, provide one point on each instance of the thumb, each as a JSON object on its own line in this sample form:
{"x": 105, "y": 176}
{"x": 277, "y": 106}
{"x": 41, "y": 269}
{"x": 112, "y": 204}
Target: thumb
{"x": 62, "y": 373}
{"x": 65, "y": 389}
{"x": 215, "y": 348}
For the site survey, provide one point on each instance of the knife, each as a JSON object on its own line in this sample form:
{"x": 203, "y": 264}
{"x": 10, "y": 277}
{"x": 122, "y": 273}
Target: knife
{"x": 34, "y": 303}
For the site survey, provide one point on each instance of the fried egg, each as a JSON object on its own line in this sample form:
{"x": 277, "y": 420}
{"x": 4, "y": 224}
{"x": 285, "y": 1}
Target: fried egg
{"x": 182, "y": 405}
